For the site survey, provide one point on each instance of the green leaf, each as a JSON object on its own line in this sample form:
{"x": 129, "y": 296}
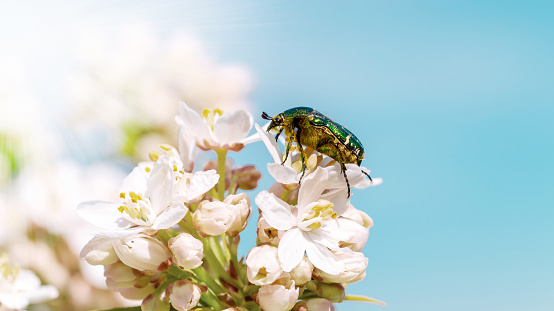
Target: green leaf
{"x": 365, "y": 299}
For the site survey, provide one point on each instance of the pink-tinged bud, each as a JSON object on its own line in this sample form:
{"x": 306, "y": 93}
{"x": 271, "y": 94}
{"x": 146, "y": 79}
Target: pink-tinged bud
{"x": 130, "y": 283}
{"x": 268, "y": 234}
{"x": 212, "y": 218}
{"x": 277, "y": 297}
{"x": 239, "y": 205}
{"x": 262, "y": 265}
{"x": 246, "y": 177}
{"x": 99, "y": 251}
{"x": 314, "y": 304}
{"x": 142, "y": 252}
{"x": 302, "y": 273}
{"x": 154, "y": 302}
{"x": 187, "y": 251}
{"x": 355, "y": 264}
{"x": 334, "y": 292}
{"x": 183, "y": 295}
{"x": 236, "y": 309}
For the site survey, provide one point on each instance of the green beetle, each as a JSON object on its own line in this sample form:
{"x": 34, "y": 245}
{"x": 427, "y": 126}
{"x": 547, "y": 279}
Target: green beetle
{"x": 310, "y": 128}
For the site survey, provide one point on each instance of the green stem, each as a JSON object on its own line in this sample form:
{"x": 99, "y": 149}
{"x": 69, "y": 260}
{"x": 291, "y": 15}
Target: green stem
{"x": 285, "y": 195}
{"x": 212, "y": 283}
{"x": 221, "y": 156}
{"x": 365, "y": 299}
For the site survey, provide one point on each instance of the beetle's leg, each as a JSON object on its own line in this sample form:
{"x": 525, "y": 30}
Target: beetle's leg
{"x": 302, "y": 156}
{"x": 343, "y": 170}
{"x": 287, "y": 150}
{"x": 279, "y": 133}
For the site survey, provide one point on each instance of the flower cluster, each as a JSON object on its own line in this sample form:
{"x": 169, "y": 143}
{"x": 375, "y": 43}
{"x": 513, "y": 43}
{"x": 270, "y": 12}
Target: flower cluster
{"x": 172, "y": 236}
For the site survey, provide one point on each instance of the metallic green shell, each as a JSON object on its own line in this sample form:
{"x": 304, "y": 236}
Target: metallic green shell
{"x": 317, "y": 119}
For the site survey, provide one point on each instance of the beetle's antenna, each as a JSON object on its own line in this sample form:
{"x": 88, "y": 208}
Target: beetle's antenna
{"x": 265, "y": 116}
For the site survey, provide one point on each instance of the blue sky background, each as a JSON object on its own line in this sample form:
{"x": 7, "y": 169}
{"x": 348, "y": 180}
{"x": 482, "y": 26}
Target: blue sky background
{"x": 453, "y": 101}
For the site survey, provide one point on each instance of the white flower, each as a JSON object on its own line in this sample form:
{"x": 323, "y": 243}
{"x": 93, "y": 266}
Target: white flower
{"x": 239, "y": 205}
{"x": 229, "y": 216}
{"x": 262, "y": 265}
{"x": 19, "y": 288}
{"x": 290, "y": 172}
{"x": 355, "y": 265}
{"x": 310, "y": 227}
{"x": 358, "y": 223}
{"x": 187, "y": 251}
{"x": 302, "y": 273}
{"x": 266, "y": 233}
{"x": 152, "y": 199}
{"x": 214, "y": 129}
{"x": 315, "y": 304}
{"x": 141, "y": 252}
{"x": 99, "y": 251}
{"x": 278, "y": 297}
{"x": 183, "y": 294}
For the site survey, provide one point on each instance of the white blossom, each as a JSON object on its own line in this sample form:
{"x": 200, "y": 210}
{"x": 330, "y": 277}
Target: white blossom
{"x": 278, "y": 297}
{"x": 141, "y": 252}
{"x": 187, "y": 251}
{"x": 215, "y": 129}
{"x": 355, "y": 265}
{"x": 183, "y": 294}
{"x": 263, "y": 266}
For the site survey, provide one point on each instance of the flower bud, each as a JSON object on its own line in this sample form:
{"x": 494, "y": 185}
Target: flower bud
{"x": 239, "y": 205}
{"x": 212, "y": 218}
{"x": 141, "y": 252}
{"x": 302, "y": 273}
{"x": 334, "y": 292}
{"x": 355, "y": 264}
{"x": 358, "y": 224}
{"x": 268, "y": 234}
{"x": 247, "y": 177}
{"x": 277, "y": 297}
{"x": 130, "y": 283}
{"x": 183, "y": 294}
{"x": 262, "y": 265}
{"x": 154, "y": 302}
{"x": 187, "y": 251}
{"x": 99, "y": 251}
{"x": 236, "y": 309}
{"x": 314, "y": 304}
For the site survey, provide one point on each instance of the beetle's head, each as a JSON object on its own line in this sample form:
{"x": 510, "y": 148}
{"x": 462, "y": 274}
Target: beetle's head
{"x": 276, "y": 121}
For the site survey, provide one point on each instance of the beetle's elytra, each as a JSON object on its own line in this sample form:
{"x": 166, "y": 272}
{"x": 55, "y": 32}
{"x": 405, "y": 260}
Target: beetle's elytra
{"x": 310, "y": 128}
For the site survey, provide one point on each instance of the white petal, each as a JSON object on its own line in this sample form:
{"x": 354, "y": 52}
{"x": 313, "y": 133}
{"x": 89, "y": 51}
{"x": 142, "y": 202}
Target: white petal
{"x": 282, "y": 174}
{"x": 368, "y": 183}
{"x": 119, "y": 234}
{"x": 171, "y": 216}
{"x": 43, "y": 293}
{"x": 322, "y": 258}
{"x": 328, "y": 235}
{"x": 160, "y": 185}
{"x": 197, "y": 184}
{"x": 339, "y": 198}
{"x": 13, "y": 300}
{"x": 187, "y": 146}
{"x": 276, "y": 212}
{"x": 232, "y": 127}
{"x": 270, "y": 144}
{"x": 251, "y": 139}
{"x": 135, "y": 181}
{"x": 194, "y": 122}
{"x": 26, "y": 280}
{"x": 103, "y": 214}
{"x": 312, "y": 187}
{"x": 291, "y": 249}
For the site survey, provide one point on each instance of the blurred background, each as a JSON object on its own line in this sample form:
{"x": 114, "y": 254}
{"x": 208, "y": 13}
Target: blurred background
{"x": 453, "y": 101}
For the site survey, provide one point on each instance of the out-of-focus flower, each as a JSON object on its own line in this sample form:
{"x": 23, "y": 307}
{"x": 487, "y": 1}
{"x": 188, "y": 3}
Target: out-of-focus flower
{"x": 20, "y": 287}
{"x": 355, "y": 264}
{"x": 141, "y": 252}
{"x": 215, "y": 129}
{"x": 183, "y": 295}
{"x": 155, "y": 302}
{"x": 278, "y": 297}
{"x": 125, "y": 72}
{"x": 302, "y": 273}
{"x": 314, "y": 304}
{"x": 262, "y": 265}
{"x": 187, "y": 251}
{"x": 310, "y": 226}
